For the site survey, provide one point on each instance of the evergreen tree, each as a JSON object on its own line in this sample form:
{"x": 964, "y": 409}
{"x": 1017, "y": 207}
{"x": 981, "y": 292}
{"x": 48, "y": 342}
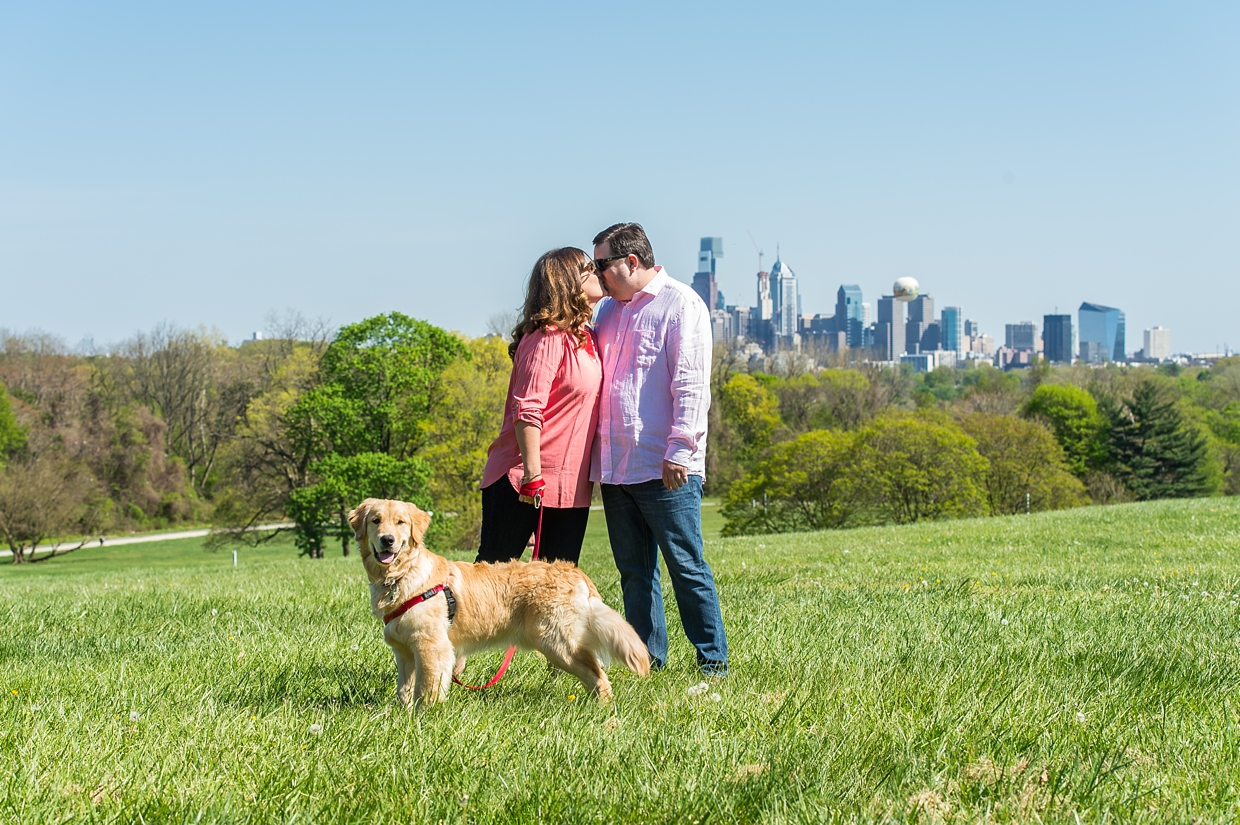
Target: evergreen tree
{"x": 12, "y": 437}
{"x": 1157, "y": 454}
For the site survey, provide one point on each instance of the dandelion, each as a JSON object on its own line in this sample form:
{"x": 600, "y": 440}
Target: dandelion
{"x": 134, "y": 716}
{"x": 1003, "y": 621}
{"x": 36, "y": 708}
{"x": 572, "y": 697}
{"x": 698, "y": 689}
{"x": 214, "y": 612}
{"x": 715, "y": 697}
{"x": 1080, "y": 717}
{"x": 355, "y": 647}
{"x": 14, "y": 693}
{"x": 316, "y": 729}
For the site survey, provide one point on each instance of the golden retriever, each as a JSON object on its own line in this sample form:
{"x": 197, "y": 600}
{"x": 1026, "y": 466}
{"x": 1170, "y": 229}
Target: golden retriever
{"x": 552, "y": 608}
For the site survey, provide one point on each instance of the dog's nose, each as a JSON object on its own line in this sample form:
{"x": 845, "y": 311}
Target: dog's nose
{"x": 387, "y": 541}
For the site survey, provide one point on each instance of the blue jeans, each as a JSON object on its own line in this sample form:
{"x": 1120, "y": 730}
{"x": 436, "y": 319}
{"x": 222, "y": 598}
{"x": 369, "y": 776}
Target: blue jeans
{"x": 641, "y": 519}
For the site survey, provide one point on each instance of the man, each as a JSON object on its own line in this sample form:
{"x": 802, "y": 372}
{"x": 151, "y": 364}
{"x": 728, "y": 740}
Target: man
{"x": 650, "y": 452}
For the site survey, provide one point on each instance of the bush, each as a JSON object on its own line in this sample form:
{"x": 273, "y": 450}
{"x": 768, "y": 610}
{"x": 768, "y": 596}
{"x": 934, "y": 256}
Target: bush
{"x": 1025, "y": 459}
{"x": 805, "y": 484}
{"x": 911, "y": 468}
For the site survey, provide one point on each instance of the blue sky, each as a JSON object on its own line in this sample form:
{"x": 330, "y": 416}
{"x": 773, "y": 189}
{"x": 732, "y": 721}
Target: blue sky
{"x": 209, "y": 164}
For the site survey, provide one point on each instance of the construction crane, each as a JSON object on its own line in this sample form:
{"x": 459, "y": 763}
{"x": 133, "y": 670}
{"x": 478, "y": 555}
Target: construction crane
{"x": 756, "y": 249}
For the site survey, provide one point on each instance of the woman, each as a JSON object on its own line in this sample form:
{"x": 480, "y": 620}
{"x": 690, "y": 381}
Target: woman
{"x": 549, "y": 418}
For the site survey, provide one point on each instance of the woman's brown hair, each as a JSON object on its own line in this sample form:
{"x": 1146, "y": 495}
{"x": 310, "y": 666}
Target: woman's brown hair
{"x": 554, "y": 296}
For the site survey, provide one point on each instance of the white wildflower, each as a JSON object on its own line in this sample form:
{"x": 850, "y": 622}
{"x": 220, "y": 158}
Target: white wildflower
{"x": 134, "y": 716}
{"x": 1080, "y": 717}
{"x": 715, "y": 697}
{"x": 1003, "y": 621}
{"x": 355, "y": 647}
{"x": 316, "y": 729}
{"x": 214, "y": 612}
{"x": 698, "y": 689}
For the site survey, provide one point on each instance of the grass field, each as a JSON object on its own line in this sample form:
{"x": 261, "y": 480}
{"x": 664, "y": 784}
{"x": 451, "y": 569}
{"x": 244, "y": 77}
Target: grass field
{"x": 1080, "y": 664}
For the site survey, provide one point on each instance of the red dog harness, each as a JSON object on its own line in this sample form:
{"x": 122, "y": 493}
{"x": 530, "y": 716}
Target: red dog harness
{"x": 405, "y": 607}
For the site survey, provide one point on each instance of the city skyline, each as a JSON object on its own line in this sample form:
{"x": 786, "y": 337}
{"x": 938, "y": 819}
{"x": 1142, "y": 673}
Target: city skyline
{"x": 1098, "y": 335}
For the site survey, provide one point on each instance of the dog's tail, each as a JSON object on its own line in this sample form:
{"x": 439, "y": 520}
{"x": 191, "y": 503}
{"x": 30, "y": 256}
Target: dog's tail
{"x": 619, "y": 638}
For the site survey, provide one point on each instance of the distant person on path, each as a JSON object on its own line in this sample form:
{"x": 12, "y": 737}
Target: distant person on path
{"x": 650, "y": 453}
{"x": 549, "y": 418}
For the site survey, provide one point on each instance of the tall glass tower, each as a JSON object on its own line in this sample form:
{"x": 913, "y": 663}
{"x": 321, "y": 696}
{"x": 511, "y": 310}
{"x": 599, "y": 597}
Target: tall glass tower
{"x": 1057, "y": 338}
{"x": 784, "y": 293}
{"x": 1101, "y": 333}
{"x": 949, "y": 328}
{"x": 704, "y": 280}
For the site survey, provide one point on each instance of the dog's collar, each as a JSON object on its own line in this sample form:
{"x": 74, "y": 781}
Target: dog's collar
{"x": 406, "y": 606}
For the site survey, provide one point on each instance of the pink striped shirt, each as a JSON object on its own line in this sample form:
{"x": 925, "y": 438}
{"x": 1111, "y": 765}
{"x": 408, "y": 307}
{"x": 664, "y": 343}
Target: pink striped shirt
{"x": 554, "y": 386}
{"x": 656, "y": 351}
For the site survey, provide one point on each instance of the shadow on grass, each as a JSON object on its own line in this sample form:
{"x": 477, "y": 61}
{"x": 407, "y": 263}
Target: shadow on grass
{"x": 325, "y": 686}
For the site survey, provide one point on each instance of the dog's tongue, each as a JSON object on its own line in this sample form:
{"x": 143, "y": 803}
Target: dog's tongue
{"x": 385, "y": 556}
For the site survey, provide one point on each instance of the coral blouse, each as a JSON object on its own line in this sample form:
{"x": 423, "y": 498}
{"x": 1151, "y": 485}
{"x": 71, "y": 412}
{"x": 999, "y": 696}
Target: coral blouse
{"x": 554, "y": 386}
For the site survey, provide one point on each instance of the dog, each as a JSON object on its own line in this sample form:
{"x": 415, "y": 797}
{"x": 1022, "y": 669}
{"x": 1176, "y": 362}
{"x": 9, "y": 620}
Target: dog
{"x": 552, "y": 608}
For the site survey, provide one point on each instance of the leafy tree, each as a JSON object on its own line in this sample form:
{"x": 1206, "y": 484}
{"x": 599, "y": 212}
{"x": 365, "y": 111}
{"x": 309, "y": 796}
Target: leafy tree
{"x": 752, "y": 411}
{"x": 913, "y": 468}
{"x": 465, "y": 418}
{"x": 990, "y": 390}
{"x": 373, "y": 407}
{"x": 379, "y": 376}
{"x": 12, "y": 437}
{"x": 1025, "y": 459}
{"x": 1156, "y": 453}
{"x": 805, "y": 484}
{"x": 1072, "y": 415}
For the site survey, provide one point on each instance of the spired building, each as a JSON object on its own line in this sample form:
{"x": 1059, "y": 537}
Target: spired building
{"x": 787, "y": 304}
{"x": 1101, "y": 334}
{"x": 1057, "y": 338}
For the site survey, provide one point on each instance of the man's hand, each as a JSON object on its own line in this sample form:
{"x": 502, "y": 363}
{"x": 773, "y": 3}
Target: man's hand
{"x": 674, "y": 475}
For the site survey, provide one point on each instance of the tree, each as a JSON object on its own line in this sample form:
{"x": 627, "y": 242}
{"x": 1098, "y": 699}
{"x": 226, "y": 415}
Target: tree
{"x": 990, "y": 390}
{"x": 42, "y": 499}
{"x": 465, "y": 417}
{"x": 912, "y": 468}
{"x": 1156, "y": 453}
{"x": 12, "y": 437}
{"x": 362, "y": 426}
{"x": 1073, "y": 417}
{"x": 805, "y": 484}
{"x": 752, "y": 411}
{"x": 1025, "y": 460}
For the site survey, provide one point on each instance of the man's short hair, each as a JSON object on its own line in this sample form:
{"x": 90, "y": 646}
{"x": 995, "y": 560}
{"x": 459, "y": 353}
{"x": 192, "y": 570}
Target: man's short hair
{"x": 627, "y": 239}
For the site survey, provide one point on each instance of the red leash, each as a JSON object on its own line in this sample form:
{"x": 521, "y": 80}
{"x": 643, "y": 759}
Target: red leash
{"x": 535, "y": 497}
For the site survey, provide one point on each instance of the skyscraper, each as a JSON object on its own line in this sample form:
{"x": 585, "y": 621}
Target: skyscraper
{"x": 1103, "y": 327}
{"x": 850, "y": 315}
{"x": 889, "y": 330}
{"x": 1023, "y": 335}
{"x": 761, "y": 320}
{"x": 1157, "y": 344}
{"x": 1057, "y": 338}
{"x": 950, "y": 329}
{"x": 784, "y": 293}
{"x": 920, "y": 319}
{"x": 704, "y": 280}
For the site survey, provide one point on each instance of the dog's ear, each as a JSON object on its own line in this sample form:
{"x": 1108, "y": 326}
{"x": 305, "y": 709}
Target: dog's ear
{"x": 357, "y": 519}
{"x": 419, "y": 521}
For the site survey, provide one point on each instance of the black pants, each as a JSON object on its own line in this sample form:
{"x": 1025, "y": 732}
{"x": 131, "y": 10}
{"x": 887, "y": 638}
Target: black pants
{"x": 507, "y": 524}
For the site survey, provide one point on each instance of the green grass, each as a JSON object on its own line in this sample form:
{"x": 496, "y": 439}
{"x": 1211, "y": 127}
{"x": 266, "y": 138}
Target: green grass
{"x": 1052, "y": 666}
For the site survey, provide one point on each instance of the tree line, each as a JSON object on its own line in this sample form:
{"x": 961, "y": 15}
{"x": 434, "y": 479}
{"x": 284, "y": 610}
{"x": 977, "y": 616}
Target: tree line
{"x": 176, "y": 426}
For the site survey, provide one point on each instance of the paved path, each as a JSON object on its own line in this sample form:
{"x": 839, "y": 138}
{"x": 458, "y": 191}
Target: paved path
{"x": 104, "y": 541}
